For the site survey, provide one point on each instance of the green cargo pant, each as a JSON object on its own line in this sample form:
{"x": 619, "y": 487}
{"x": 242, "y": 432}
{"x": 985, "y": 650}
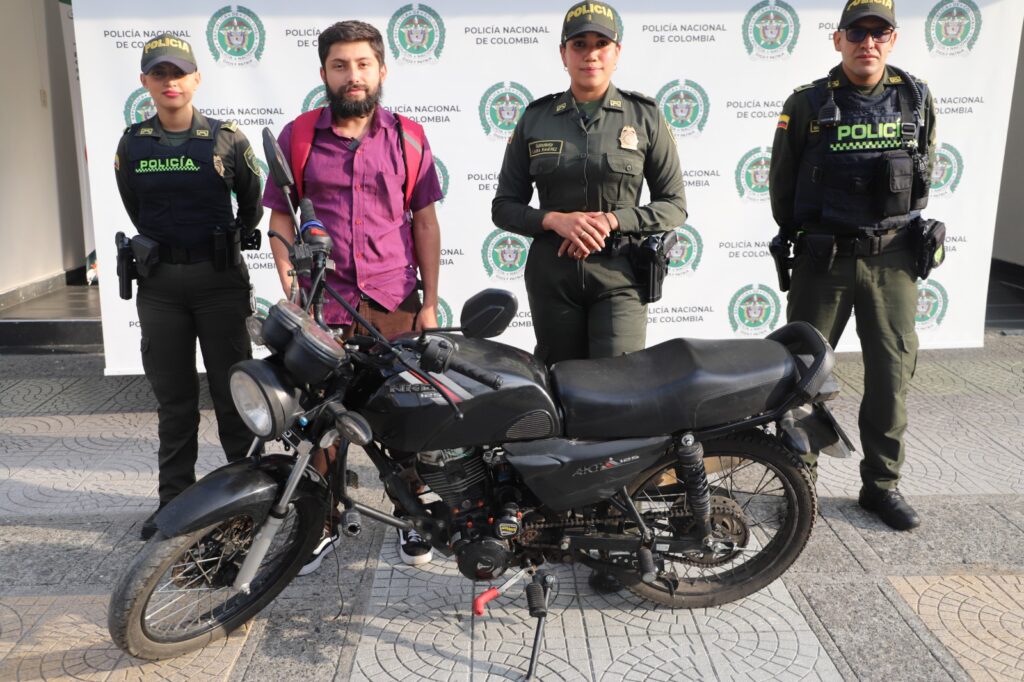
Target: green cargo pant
{"x": 882, "y": 290}
{"x": 583, "y": 309}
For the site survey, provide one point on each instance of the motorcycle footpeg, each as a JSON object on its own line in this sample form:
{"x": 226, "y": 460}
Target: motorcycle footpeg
{"x": 351, "y": 522}
{"x": 648, "y": 569}
{"x": 536, "y": 600}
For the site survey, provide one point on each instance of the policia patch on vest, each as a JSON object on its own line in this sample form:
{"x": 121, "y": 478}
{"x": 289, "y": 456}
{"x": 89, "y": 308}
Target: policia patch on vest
{"x": 540, "y": 147}
{"x": 857, "y": 137}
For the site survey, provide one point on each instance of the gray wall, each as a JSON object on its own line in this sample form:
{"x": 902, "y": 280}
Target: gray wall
{"x": 1009, "y": 237}
{"x": 40, "y": 207}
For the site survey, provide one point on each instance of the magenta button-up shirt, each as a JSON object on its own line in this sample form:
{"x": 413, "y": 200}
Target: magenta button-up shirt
{"x": 357, "y": 193}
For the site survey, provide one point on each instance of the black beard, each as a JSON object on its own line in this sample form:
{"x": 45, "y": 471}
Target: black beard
{"x": 347, "y": 108}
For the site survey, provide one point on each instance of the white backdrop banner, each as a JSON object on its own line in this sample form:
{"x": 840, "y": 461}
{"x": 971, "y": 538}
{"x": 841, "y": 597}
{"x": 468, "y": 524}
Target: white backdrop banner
{"x": 719, "y": 69}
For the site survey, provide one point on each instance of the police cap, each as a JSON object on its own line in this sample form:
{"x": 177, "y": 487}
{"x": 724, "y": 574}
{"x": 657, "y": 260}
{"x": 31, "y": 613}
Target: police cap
{"x": 586, "y": 17}
{"x": 859, "y": 9}
{"x": 169, "y": 49}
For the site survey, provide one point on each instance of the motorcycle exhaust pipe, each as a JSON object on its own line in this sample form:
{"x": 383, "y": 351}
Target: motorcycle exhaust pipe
{"x": 351, "y": 522}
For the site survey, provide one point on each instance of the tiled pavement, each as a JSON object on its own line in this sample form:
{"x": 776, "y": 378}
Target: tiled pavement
{"x": 946, "y": 601}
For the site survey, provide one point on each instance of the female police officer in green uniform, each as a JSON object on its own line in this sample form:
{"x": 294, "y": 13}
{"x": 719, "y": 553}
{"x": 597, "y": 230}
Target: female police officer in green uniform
{"x": 588, "y": 150}
{"x": 175, "y": 172}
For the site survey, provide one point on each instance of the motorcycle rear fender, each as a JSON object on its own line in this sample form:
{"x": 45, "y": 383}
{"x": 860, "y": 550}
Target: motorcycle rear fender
{"x": 245, "y": 487}
{"x": 812, "y": 428}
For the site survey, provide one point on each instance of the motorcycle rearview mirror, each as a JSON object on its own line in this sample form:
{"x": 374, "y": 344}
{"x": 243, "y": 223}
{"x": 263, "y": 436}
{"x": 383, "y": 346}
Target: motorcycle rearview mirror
{"x": 488, "y": 313}
{"x": 280, "y": 171}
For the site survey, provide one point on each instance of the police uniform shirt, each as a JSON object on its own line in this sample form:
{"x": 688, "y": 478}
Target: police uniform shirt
{"x": 798, "y": 126}
{"x": 591, "y": 163}
{"x": 234, "y": 161}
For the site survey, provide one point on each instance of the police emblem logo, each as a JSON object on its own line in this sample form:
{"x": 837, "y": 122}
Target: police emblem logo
{"x": 442, "y": 175}
{"x": 315, "y": 98}
{"x": 684, "y": 256}
{"x": 501, "y": 107}
{"x": 685, "y": 106}
{"x": 235, "y": 36}
{"x": 752, "y": 174}
{"x": 754, "y": 310}
{"x": 138, "y": 107}
{"x": 947, "y": 170}
{"x": 952, "y": 27}
{"x": 416, "y": 34}
{"x": 770, "y": 30}
{"x": 628, "y": 138}
{"x": 932, "y": 304}
{"x": 504, "y": 255}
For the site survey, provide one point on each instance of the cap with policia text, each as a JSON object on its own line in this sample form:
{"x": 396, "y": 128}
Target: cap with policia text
{"x": 584, "y": 17}
{"x": 859, "y": 9}
{"x": 168, "y": 49}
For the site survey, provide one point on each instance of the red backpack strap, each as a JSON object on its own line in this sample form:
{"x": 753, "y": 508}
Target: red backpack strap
{"x": 303, "y": 129}
{"x": 413, "y": 141}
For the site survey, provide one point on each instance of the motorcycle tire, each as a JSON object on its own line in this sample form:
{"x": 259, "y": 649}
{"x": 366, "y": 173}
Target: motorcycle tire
{"x": 749, "y": 456}
{"x": 166, "y": 564}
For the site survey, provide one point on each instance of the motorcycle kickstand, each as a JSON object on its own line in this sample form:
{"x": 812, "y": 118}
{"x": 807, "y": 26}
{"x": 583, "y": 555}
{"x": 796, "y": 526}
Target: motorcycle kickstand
{"x": 537, "y": 600}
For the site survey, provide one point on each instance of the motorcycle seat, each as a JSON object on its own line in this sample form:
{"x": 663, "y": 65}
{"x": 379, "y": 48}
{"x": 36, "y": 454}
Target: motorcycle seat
{"x": 674, "y": 386}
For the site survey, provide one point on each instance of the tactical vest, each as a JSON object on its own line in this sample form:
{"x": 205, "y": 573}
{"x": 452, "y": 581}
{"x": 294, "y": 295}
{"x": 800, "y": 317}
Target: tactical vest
{"x": 858, "y": 175}
{"x": 182, "y": 198}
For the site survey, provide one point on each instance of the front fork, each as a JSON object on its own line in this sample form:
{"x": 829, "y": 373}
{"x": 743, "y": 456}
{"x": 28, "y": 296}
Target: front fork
{"x": 270, "y": 527}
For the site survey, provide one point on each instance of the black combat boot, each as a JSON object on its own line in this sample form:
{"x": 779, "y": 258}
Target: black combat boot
{"x": 890, "y": 506}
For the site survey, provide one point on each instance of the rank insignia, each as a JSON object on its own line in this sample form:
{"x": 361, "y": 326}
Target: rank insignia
{"x": 628, "y": 138}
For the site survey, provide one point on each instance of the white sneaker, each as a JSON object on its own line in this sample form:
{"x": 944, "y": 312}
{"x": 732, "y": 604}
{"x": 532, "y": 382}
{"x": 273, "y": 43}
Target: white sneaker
{"x": 327, "y": 545}
{"x": 413, "y": 549}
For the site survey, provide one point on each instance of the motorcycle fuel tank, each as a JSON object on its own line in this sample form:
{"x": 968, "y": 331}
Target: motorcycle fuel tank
{"x": 410, "y": 415}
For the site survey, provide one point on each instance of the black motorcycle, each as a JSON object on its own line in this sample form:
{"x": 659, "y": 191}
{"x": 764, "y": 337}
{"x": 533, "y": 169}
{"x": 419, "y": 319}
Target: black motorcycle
{"x": 675, "y": 469}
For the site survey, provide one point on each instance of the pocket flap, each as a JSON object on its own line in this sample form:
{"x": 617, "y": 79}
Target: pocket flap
{"x": 626, "y": 165}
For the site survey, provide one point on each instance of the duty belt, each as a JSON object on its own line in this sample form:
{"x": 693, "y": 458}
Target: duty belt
{"x": 872, "y": 245}
{"x": 181, "y": 256}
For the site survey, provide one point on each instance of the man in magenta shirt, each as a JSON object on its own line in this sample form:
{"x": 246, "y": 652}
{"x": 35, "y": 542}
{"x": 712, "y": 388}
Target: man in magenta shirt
{"x": 355, "y": 177}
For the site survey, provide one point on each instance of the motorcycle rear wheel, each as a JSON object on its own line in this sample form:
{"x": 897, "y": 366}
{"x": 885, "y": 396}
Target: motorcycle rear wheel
{"x": 177, "y": 596}
{"x": 762, "y": 500}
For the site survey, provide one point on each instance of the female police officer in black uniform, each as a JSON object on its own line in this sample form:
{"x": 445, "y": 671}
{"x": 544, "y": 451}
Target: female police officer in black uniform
{"x": 588, "y": 151}
{"x": 175, "y": 172}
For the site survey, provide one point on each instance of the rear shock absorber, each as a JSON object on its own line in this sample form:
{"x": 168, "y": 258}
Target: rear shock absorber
{"x": 690, "y": 454}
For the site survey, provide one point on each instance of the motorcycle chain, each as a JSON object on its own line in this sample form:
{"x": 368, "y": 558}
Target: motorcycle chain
{"x": 615, "y": 518}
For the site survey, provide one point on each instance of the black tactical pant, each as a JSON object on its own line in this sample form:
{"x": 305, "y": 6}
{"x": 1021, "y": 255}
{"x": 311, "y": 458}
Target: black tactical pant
{"x": 178, "y": 304}
{"x": 583, "y": 309}
{"x": 882, "y": 291}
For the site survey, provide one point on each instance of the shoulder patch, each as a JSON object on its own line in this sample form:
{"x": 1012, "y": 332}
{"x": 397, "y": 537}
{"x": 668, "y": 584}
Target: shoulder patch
{"x": 639, "y": 96}
{"x": 229, "y": 125}
{"x": 543, "y": 100}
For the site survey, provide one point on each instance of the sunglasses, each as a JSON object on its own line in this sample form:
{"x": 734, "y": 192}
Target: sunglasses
{"x": 859, "y": 35}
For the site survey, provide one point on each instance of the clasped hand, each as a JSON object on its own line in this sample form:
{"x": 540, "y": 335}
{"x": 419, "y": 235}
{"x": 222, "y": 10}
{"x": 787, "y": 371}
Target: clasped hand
{"x": 582, "y": 233}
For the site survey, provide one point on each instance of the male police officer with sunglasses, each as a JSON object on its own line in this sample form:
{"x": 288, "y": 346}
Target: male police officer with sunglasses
{"x": 849, "y": 175}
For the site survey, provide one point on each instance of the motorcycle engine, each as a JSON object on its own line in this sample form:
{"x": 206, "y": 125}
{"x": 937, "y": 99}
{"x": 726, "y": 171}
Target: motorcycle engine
{"x": 462, "y": 479}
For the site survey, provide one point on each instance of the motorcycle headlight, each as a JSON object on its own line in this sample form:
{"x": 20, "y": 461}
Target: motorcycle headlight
{"x": 265, "y": 399}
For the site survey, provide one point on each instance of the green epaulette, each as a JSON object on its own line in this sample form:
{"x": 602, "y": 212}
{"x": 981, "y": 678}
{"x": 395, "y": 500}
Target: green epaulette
{"x": 544, "y": 99}
{"x": 639, "y": 96}
{"x": 231, "y": 126}
{"x": 808, "y": 86}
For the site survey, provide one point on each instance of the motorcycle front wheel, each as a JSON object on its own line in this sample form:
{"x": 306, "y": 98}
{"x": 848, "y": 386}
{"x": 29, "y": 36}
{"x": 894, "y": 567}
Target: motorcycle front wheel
{"x": 763, "y": 508}
{"x": 177, "y": 595}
